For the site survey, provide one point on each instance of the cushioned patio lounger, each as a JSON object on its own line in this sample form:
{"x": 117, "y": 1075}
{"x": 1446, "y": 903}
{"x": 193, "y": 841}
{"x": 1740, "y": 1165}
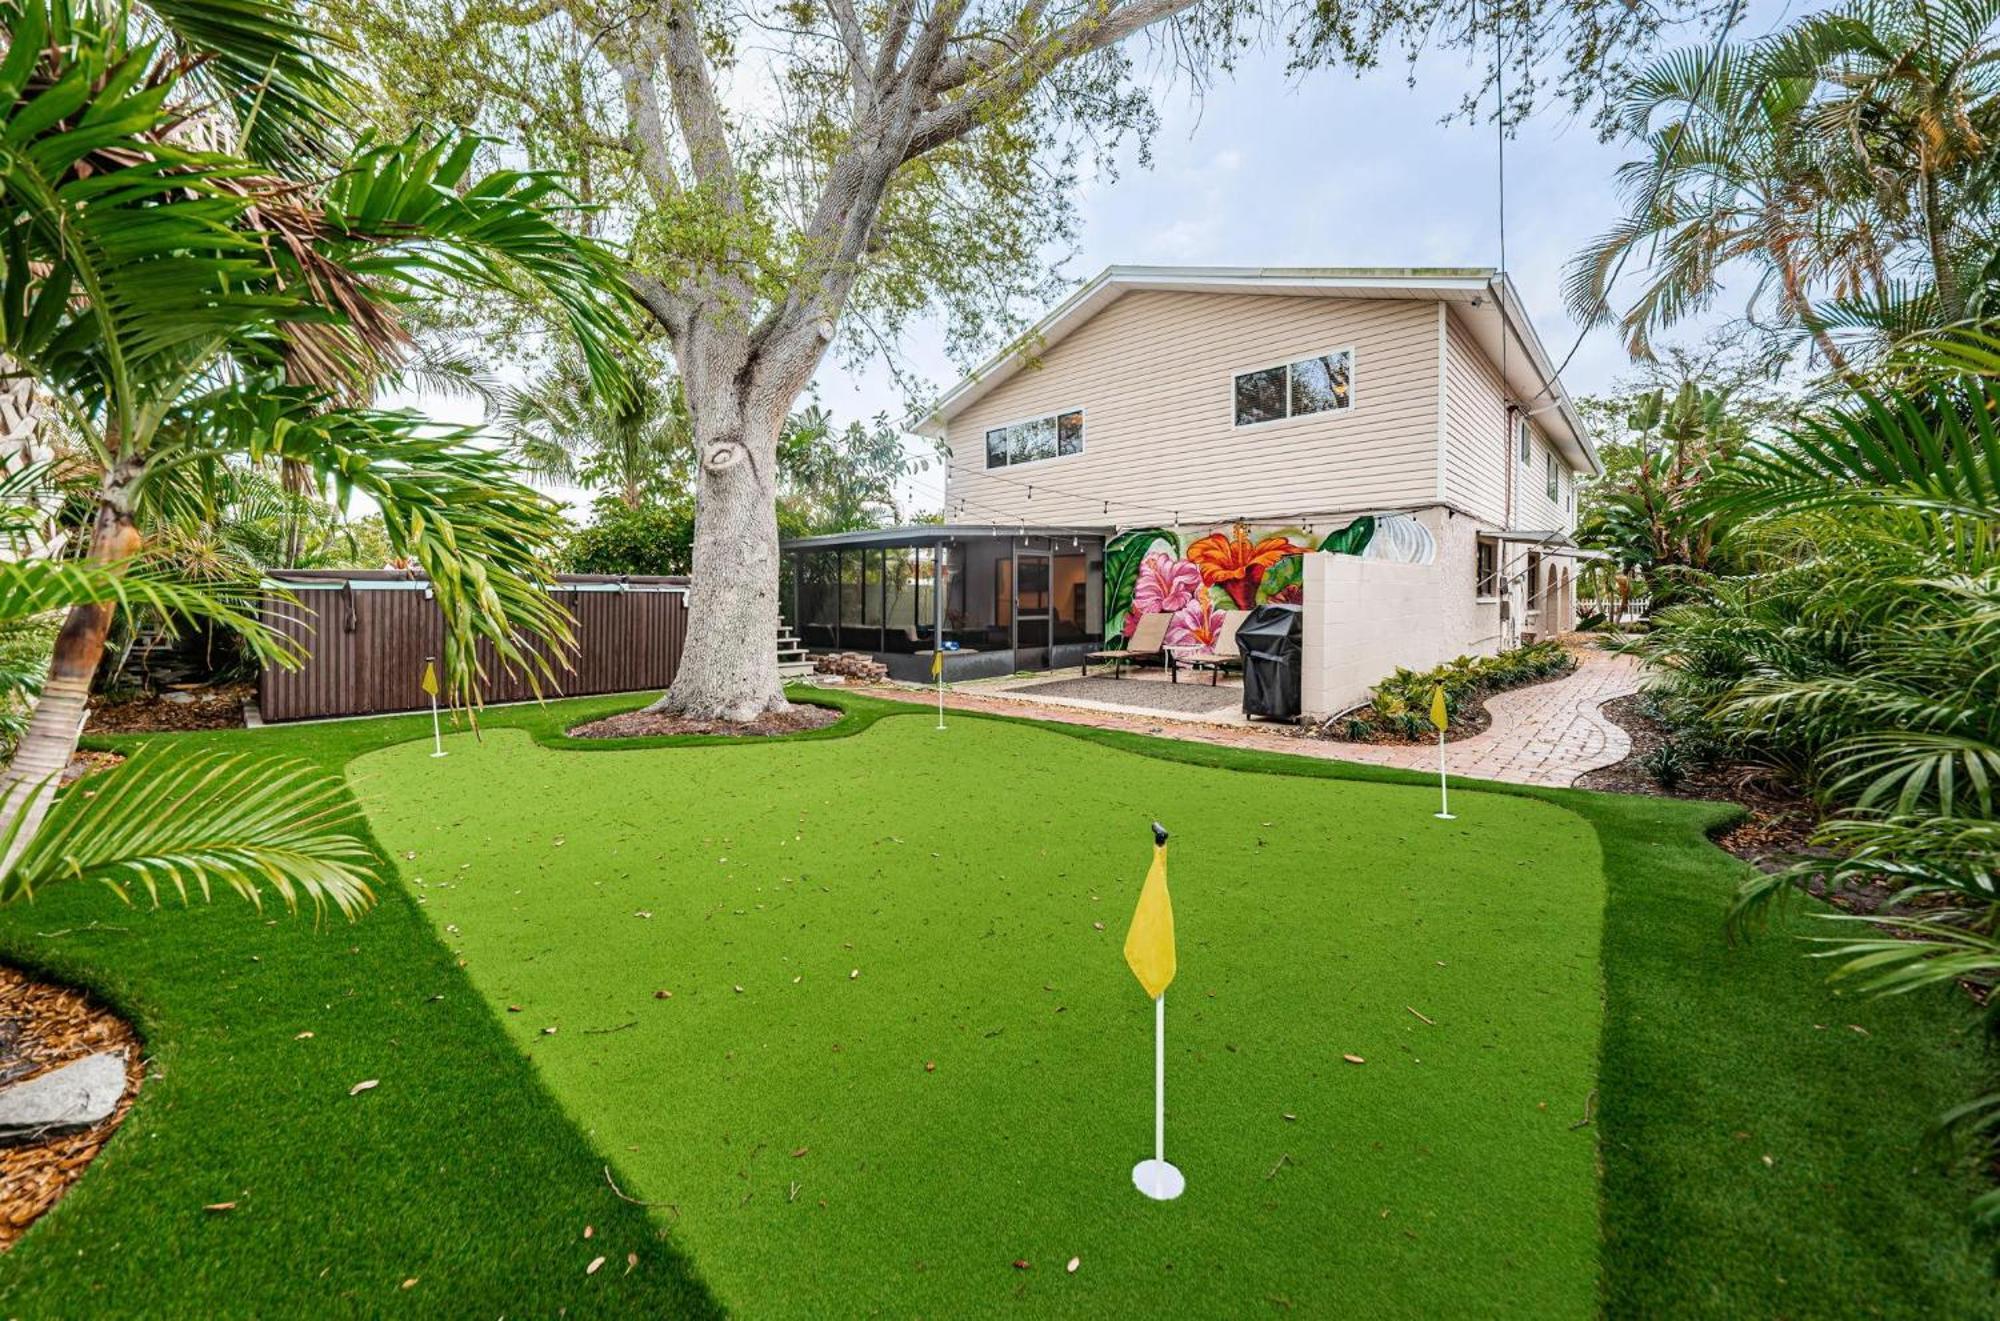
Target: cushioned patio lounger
{"x": 1144, "y": 646}
{"x": 1223, "y": 654}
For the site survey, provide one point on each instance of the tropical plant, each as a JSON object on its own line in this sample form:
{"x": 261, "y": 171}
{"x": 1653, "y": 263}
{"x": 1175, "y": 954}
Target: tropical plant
{"x": 1864, "y": 655}
{"x": 185, "y": 305}
{"x": 1645, "y": 513}
{"x": 840, "y": 479}
{"x": 1846, "y": 160}
{"x": 635, "y": 443}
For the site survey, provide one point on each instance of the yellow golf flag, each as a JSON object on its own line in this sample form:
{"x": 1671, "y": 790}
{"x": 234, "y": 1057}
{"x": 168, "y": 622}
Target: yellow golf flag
{"x": 1439, "y": 716}
{"x": 430, "y": 679}
{"x": 937, "y": 661}
{"x": 1149, "y": 945}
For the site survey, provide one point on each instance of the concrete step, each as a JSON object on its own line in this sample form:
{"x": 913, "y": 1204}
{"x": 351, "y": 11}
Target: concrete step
{"x": 794, "y": 669}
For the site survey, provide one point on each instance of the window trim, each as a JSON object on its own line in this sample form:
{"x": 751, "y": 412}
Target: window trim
{"x": 1479, "y": 543}
{"x": 1524, "y": 439}
{"x": 1053, "y": 415}
{"x": 1551, "y": 480}
{"x": 1353, "y": 392}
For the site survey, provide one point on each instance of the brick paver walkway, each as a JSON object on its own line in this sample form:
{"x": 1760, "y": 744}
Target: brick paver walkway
{"x": 1547, "y": 734}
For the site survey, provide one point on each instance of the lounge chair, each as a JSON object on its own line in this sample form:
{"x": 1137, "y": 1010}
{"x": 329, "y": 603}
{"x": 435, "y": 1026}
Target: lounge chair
{"x": 1145, "y": 645}
{"x": 1223, "y": 654}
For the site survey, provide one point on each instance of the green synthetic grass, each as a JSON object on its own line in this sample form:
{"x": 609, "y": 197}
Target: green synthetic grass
{"x": 979, "y": 881}
{"x": 474, "y": 1170}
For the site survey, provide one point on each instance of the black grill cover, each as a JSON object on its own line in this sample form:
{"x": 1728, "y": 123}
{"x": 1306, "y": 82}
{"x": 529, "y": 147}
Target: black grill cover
{"x": 1272, "y": 643}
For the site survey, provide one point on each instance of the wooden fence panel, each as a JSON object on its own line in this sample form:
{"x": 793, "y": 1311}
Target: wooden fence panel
{"x": 365, "y": 636}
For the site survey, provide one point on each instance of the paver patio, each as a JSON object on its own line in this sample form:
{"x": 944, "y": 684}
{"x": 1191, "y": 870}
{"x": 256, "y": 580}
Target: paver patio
{"x": 1545, "y": 734}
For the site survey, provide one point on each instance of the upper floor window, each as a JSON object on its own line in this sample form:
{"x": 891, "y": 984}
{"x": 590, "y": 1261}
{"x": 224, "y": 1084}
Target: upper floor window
{"x": 1527, "y": 439}
{"x": 1322, "y": 383}
{"x": 1549, "y": 474}
{"x": 1056, "y": 436}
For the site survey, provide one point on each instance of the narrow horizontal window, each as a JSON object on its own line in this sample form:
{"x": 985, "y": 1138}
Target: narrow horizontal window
{"x": 1056, "y": 436}
{"x": 1322, "y": 383}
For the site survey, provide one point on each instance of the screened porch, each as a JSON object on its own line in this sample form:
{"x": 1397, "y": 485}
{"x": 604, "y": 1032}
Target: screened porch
{"x": 1001, "y": 598}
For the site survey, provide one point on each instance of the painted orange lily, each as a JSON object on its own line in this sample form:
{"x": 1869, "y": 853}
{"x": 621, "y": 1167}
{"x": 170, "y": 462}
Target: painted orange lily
{"x": 1230, "y": 560}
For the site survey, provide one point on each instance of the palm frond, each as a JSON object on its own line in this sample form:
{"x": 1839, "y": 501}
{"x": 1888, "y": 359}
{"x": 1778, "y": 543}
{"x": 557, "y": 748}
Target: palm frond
{"x": 184, "y": 825}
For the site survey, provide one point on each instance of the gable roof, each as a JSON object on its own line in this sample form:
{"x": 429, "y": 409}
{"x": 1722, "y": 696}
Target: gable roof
{"x": 1487, "y": 305}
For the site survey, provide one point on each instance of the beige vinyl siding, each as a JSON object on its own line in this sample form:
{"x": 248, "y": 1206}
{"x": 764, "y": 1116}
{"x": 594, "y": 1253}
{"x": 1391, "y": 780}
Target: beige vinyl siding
{"x": 1477, "y": 446}
{"x": 1153, "y": 374}
{"x": 1532, "y": 506}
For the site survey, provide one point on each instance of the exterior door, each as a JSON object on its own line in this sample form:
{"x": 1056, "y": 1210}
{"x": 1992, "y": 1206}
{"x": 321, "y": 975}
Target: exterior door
{"x": 1033, "y": 610}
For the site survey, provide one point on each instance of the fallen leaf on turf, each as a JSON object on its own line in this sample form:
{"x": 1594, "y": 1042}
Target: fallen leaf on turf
{"x": 1074, "y": 1262}
{"x": 1020, "y": 1264}
{"x": 1291, "y": 1118}
{"x": 595, "y": 1262}
{"x": 513, "y": 1009}
{"x": 663, "y": 995}
{"x": 631, "y": 1262}
{"x": 589, "y": 1230}
{"x": 303, "y": 1036}
{"x": 930, "y": 1066}
{"x": 1354, "y": 1059}
{"x": 410, "y": 1283}
{"x": 220, "y": 1206}
{"x": 739, "y": 990}
{"x": 1856, "y": 1027}
{"x": 1098, "y": 925}
{"x": 852, "y": 975}
{"x": 1769, "y": 1161}
{"x": 800, "y": 1152}
{"x": 643, "y": 913}
{"x": 361, "y": 1087}
{"x": 549, "y": 1031}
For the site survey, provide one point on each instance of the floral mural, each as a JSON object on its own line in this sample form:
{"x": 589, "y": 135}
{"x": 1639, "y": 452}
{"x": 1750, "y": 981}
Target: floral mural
{"x": 1155, "y": 570}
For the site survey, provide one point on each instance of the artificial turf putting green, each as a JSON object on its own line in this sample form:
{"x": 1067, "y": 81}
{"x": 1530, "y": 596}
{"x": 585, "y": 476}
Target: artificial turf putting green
{"x": 1760, "y": 1157}
{"x": 980, "y": 881}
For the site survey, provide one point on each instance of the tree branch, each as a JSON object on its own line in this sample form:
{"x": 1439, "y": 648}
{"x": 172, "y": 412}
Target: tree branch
{"x": 989, "y": 85}
{"x": 696, "y": 109}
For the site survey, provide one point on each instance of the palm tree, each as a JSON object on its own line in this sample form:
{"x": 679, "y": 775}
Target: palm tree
{"x": 1848, "y": 161}
{"x": 1725, "y": 178}
{"x": 637, "y": 443}
{"x": 1915, "y": 101}
{"x": 185, "y": 305}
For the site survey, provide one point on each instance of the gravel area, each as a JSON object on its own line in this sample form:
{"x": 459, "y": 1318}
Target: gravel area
{"x": 1194, "y": 696}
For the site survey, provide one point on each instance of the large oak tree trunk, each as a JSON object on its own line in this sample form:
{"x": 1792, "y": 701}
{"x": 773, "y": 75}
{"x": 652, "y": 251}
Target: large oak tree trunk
{"x": 29, "y": 782}
{"x": 729, "y": 669}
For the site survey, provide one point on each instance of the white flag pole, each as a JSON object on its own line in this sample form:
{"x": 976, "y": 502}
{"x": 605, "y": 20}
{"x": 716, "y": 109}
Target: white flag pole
{"x": 940, "y": 688}
{"x": 1444, "y": 794}
{"x": 1156, "y": 1178}
{"x": 1160, "y": 1078}
{"x": 437, "y": 735}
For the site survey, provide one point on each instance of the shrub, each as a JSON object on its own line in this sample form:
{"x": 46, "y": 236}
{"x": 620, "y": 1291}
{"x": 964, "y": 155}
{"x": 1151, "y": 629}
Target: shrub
{"x": 1401, "y": 703}
{"x": 1666, "y": 765}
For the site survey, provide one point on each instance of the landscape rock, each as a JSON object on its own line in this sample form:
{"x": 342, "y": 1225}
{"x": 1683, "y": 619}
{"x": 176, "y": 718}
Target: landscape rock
{"x": 77, "y": 1095}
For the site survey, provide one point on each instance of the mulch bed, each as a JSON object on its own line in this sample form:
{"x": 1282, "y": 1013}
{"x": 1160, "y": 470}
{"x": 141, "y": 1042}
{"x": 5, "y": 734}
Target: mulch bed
{"x": 42, "y": 1026}
{"x": 1781, "y": 820}
{"x": 652, "y": 724}
{"x": 174, "y": 711}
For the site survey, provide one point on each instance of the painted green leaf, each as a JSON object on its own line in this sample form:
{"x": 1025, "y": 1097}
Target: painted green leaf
{"x": 1352, "y": 539}
{"x": 1122, "y": 557}
{"x": 1283, "y": 581}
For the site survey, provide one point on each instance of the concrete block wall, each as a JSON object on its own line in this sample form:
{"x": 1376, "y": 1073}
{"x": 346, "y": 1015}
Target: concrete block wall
{"x": 1363, "y": 618}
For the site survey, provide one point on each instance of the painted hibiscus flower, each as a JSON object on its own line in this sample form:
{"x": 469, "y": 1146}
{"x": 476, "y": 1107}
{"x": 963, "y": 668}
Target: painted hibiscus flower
{"x": 1195, "y": 624}
{"x": 1230, "y": 560}
{"x": 1165, "y": 585}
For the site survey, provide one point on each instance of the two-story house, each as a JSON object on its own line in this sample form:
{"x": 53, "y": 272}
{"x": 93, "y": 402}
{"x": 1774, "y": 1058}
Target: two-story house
{"x": 1192, "y": 439}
